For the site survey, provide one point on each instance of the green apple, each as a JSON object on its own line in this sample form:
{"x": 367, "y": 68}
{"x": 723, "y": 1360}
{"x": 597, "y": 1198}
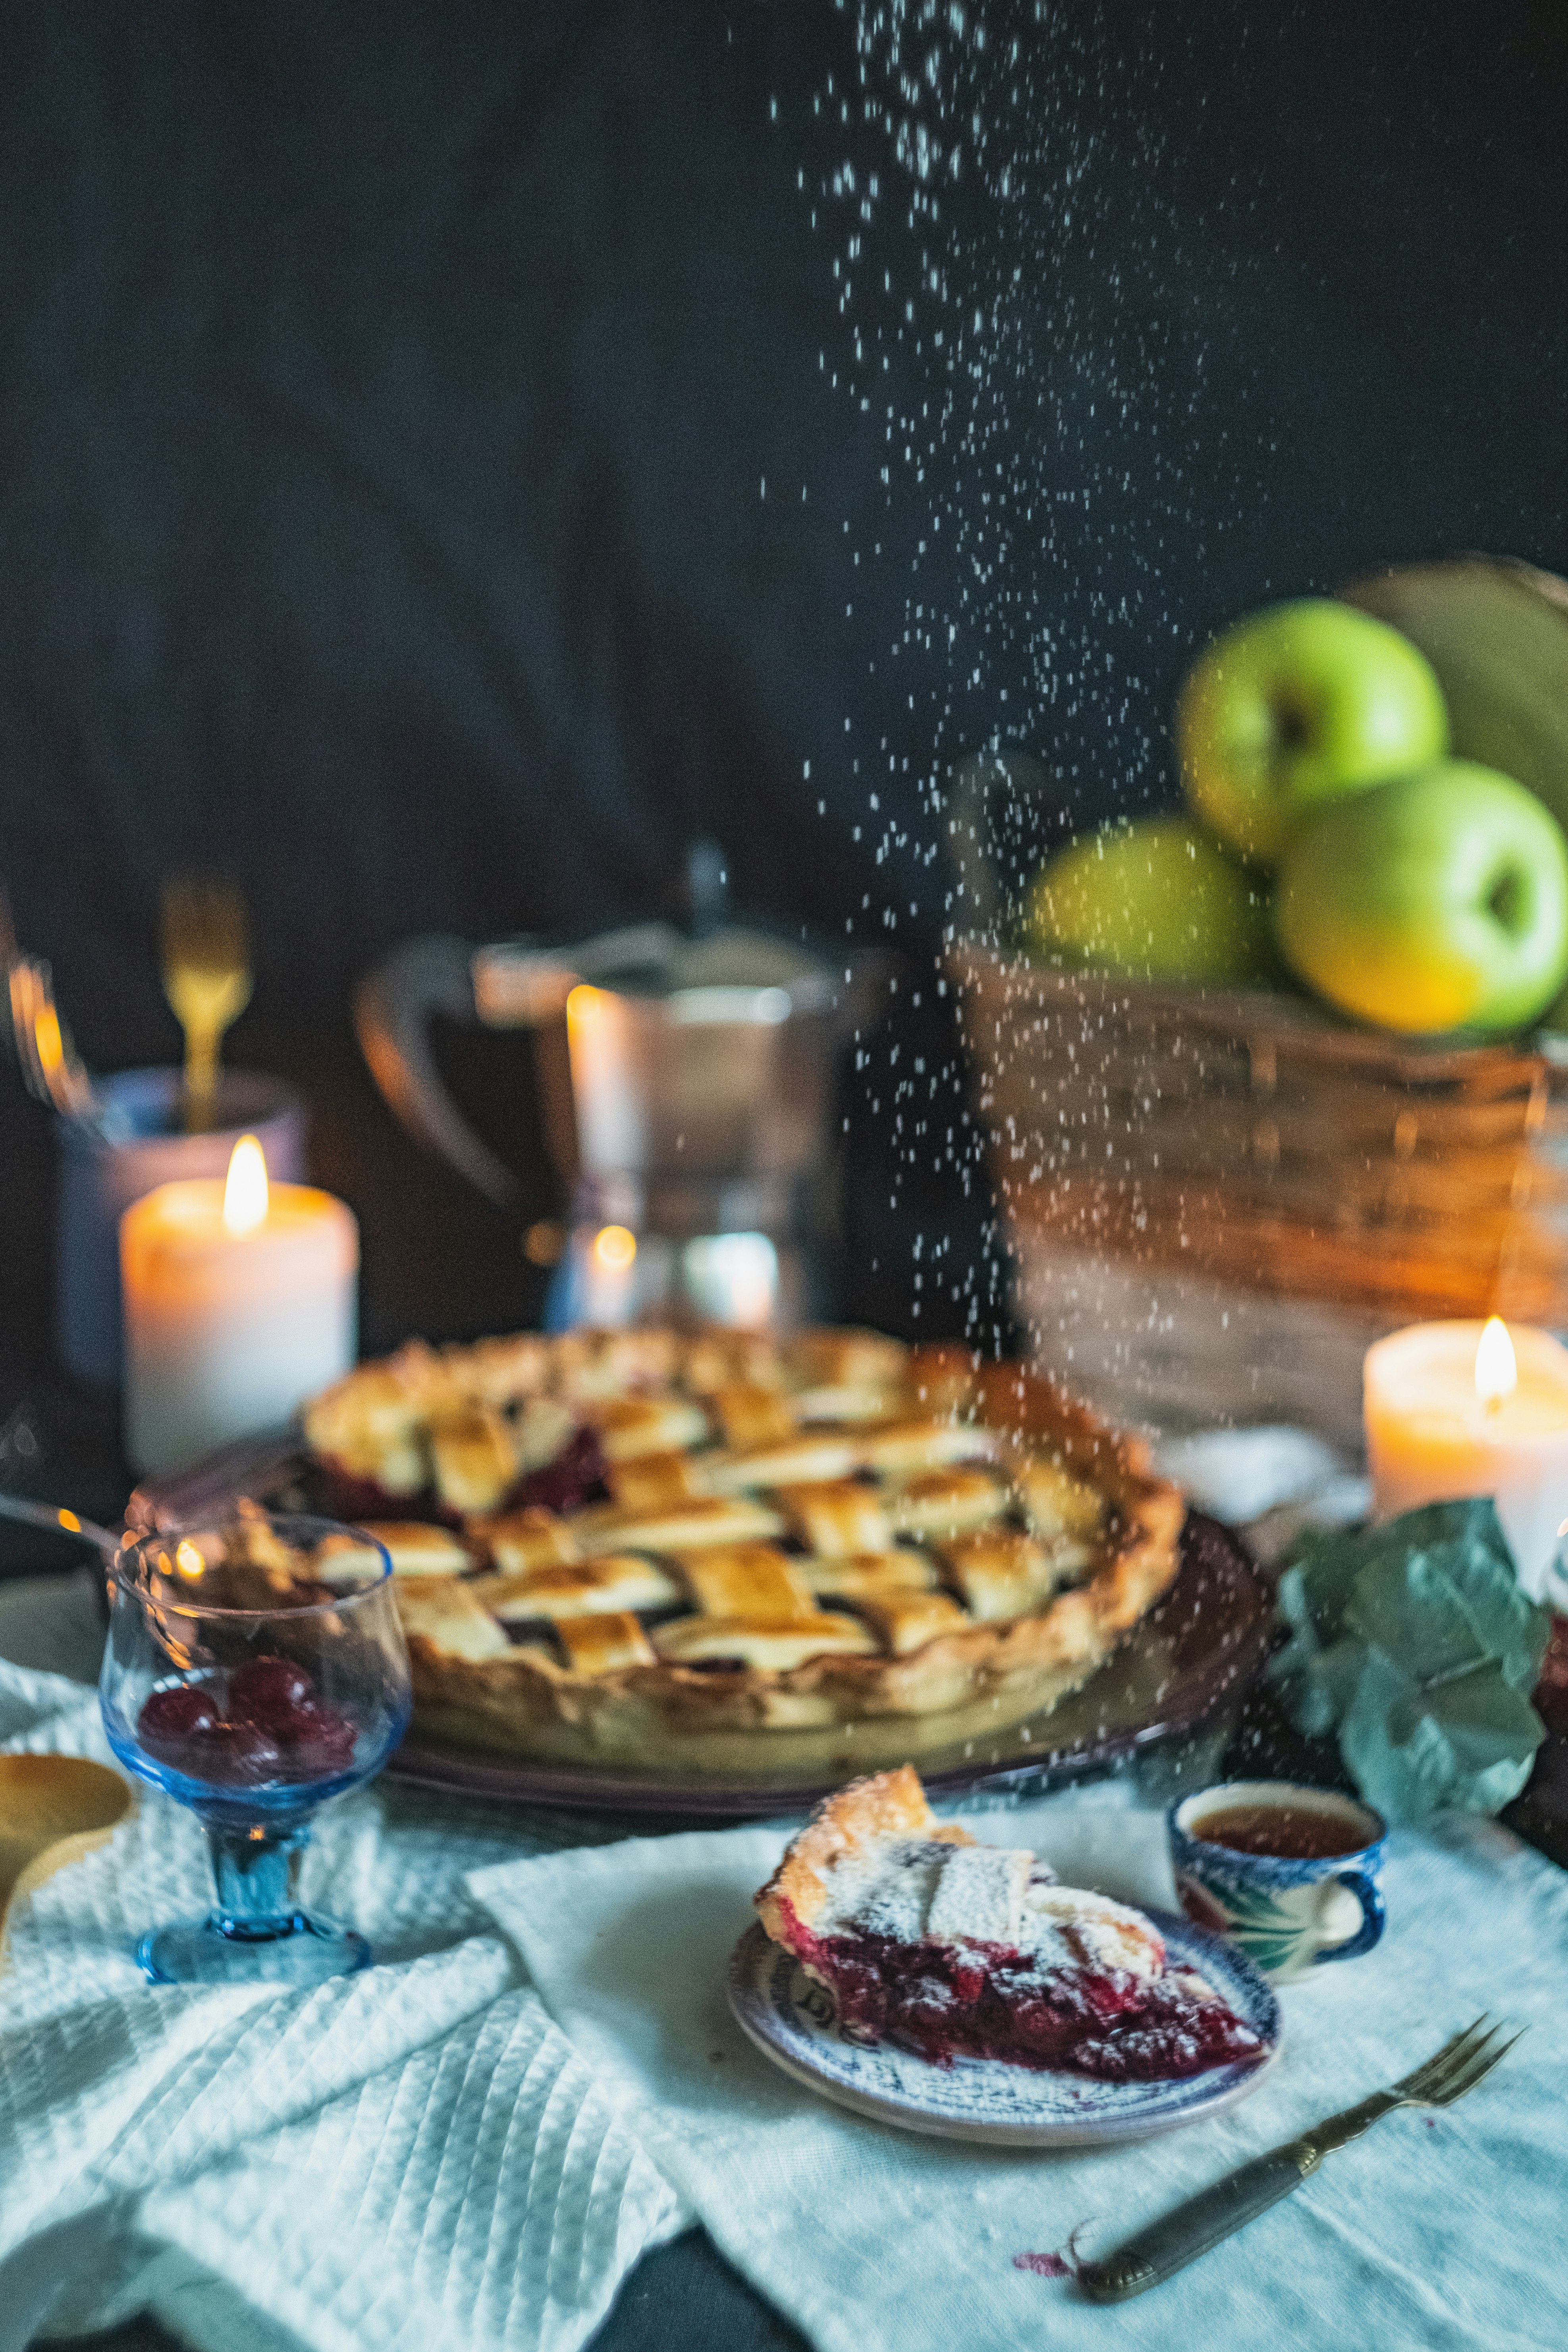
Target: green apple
{"x": 1295, "y": 706}
{"x": 1439, "y": 901}
{"x": 1158, "y": 899}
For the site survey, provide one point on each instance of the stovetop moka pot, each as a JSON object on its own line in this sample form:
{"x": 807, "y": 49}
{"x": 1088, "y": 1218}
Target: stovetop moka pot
{"x": 688, "y": 1091}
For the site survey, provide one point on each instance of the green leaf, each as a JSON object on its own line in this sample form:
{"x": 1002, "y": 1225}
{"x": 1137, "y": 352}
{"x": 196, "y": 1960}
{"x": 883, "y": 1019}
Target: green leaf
{"x": 1445, "y": 1598}
{"x": 1411, "y": 1610}
{"x": 1316, "y": 1672}
{"x": 1512, "y": 1629}
{"x": 1316, "y": 1588}
{"x": 1468, "y": 1743}
{"x": 1414, "y": 1639}
{"x": 1336, "y": 1673}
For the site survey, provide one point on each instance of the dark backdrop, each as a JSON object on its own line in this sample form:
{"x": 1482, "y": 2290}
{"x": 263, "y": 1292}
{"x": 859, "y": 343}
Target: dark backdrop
{"x": 449, "y": 454}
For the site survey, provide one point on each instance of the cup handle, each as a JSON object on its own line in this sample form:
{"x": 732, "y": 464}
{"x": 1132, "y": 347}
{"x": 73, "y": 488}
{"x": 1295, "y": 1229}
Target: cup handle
{"x": 1372, "y": 1918}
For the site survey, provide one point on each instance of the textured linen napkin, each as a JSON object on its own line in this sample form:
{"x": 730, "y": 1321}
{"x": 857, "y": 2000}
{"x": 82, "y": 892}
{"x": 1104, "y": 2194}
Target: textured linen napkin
{"x": 411, "y": 2158}
{"x": 1441, "y": 2232}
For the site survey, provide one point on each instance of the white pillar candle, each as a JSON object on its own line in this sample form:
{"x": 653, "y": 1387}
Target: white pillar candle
{"x": 1458, "y": 1409}
{"x": 240, "y": 1303}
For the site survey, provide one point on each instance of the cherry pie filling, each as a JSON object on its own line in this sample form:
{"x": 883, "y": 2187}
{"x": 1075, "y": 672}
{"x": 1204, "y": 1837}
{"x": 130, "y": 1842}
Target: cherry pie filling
{"x": 943, "y": 2001}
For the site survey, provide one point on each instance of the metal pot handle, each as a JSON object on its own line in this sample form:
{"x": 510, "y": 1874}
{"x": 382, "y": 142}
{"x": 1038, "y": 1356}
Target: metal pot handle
{"x": 393, "y": 1006}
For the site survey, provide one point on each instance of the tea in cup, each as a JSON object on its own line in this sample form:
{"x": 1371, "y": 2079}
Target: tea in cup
{"x": 1289, "y": 1872}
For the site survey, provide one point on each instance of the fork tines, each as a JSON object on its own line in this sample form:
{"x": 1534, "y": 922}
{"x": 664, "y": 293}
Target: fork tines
{"x": 1480, "y": 2063}
{"x": 1459, "y": 2066}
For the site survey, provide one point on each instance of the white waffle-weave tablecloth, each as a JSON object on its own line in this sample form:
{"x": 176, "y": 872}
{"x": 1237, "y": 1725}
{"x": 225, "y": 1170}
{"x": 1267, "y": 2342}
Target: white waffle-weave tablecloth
{"x": 410, "y": 2160}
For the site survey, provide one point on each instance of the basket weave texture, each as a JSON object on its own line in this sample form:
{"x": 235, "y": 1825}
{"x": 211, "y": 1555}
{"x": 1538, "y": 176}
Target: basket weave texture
{"x": 1254, "y": 1138}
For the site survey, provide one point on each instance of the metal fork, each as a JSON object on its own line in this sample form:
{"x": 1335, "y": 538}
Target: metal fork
{"x": 206, "y": 978}
{"x": 1168, "y": 2245}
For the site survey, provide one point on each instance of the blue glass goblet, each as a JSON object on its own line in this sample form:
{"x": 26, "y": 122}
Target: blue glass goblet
{"x": 254, "y": 1667}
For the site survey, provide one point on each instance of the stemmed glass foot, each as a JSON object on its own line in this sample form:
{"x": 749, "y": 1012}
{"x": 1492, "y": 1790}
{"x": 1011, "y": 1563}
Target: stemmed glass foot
{"x": 302, "y": 1951}
{"x": 256, "y": 1933}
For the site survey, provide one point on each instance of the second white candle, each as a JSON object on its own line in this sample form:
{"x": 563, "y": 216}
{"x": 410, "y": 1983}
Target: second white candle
{"x": 1440, "y": 1427}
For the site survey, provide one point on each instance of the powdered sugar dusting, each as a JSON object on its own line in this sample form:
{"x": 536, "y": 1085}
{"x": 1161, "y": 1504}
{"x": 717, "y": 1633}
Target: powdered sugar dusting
{"x": 885, "y": 1889}
{"x": 914, "y": 1888}
{"x": 1096, "y": 1932}
{"x": 979, "y": 1895}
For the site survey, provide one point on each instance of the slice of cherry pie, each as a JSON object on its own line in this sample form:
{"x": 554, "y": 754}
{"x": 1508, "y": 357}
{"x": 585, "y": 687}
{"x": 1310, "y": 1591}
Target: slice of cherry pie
{"x": 953, "y": 1949}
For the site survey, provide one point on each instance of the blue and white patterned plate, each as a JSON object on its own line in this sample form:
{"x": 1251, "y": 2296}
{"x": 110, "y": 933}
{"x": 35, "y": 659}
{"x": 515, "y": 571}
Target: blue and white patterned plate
{"x": 789, "y": 2018}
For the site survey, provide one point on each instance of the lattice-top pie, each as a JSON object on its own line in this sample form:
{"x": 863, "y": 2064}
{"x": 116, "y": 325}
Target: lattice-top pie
{"x": 953, "y": 1949}
{"x": 626, "y": 1545}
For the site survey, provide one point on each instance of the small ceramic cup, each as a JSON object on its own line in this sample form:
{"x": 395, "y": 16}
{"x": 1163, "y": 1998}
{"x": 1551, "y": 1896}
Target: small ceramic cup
{"x": 1288, "y": 1916}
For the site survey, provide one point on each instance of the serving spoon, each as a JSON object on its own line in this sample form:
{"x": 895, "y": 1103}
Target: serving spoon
{"x": 60, "y": 1522}
{"x": 52, "y": 1810}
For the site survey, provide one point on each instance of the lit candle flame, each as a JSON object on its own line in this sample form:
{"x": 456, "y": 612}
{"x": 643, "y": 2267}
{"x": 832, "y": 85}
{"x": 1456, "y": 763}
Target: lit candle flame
{"x": 189, "y": 1561}
{"x": 244, "y": 1195}
{"x": 614, "y": 1246}
{"x": 1497, "y": 1373}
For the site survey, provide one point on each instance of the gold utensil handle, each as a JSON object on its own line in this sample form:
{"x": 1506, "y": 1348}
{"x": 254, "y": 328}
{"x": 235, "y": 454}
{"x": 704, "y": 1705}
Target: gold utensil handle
{"x": 1167, "y": 2245}
{"x": 201, "y": 1078}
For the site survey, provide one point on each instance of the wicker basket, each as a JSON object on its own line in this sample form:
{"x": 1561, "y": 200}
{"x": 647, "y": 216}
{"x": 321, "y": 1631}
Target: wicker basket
{"x": 1216, "y": 1200}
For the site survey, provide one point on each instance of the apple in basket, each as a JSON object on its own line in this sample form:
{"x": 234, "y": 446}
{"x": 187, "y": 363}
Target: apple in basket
{"x": 1296, "y": 706}
{"x": 1159, "y": 900}
{"x": 1437, "y": 901}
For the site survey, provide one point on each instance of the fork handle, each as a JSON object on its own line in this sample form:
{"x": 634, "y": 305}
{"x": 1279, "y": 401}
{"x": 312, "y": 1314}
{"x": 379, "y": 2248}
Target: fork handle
{"x": 1167, "y": 2245}
{"x": 202, "y": 1042}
